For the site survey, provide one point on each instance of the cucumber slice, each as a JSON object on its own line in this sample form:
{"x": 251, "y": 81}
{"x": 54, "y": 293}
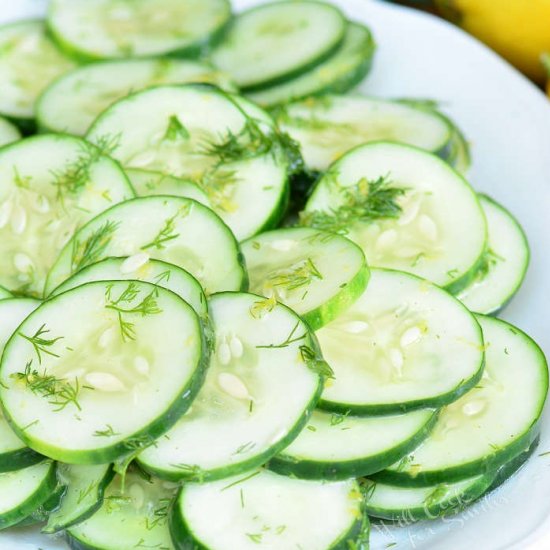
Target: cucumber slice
{"x": 84, "y": 358}
{"x": 279, "y": 40}
{"x": 458, "y": 150}
{"x": 8, "y": 132}
{"x": 73, "y": 101}
{"x": 335, "y": 446}
{"x": 84, "y": 488}
{"x": 341, "y": 72}
{"x": 505, "y": 262}
{"x": 406, "y": 504}
{"x": 406, "y": 208}
{"x": 14, "y": 454}
{"x": 317, "y": 274}
{"x": 99, "y": 29}
{"x": 29, "y": 61}
{"x": 148, "y": 183}
{"x": 142, "y": 268}
{"x": 180, "y": 231}
{"x": 329, "y": 126}
{"x": 507, "y": 470}
{"x": 267, "y": 510}
{"x": 42, "y": 202}
{"x": 24, "y": 491}
{"x": 260, "y": 346}
{"x": 404, "y": 344}
{"x": 5, "y": 294}
{"x": 492, "y": 423}
{"x": 198, "y": 132}
{"x": 133, "y": 515}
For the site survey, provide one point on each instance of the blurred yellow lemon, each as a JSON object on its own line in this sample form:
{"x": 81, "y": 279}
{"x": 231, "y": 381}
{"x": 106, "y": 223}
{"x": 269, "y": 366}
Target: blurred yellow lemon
{"x": 517, "y": 29}
{"x": 546, "y": 63}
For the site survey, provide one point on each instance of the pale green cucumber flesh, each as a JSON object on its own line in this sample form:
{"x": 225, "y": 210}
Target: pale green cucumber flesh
{"x": 200, "y": 133}
{"x": 14, "y": 454}
{"x": 83, "y": 494}
{"x": 140, "y": 267}
{"x": 328, "y": 126}
{"x": 404, "y": 344}
{"x": 341, "y": 72}
{"x": 181, "y": 231}
{"x": 84, "y": 358}
{"x": 133, "y": 514}
{"x": 505, "y": 263}
{"x": 30, "y": 60}
{"x": 146, "y": 182}
{"x": 317, "y": 274}
{"x": 24, "y": 491}
{"x": 275, "y": 511}
{"x": 434, "y": 227}
{"x": 238, "y": 405}
{"x": 42, "y": 202}
{"x": 334, "y": 446}
{"x": 118, "y": 29}
{"x": 74, "y": 101}
{"x": 492, "y": 423}
{"x": 272, "y": 43}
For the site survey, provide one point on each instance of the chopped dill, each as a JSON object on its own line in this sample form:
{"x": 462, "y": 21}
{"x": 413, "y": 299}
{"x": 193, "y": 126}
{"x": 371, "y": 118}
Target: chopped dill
{"x": 40, "y": 344}
{"x": 93, "y": 248}
{"x": 301, "y": 275}
{"x": 363, "y": 202}
{"x": 59, "y": 391}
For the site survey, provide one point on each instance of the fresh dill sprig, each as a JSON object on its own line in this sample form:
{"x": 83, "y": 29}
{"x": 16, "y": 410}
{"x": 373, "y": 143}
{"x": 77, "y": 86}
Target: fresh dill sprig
{"x": 147, "y": 306}
{"x": 175, "y": 130}
{"x": 76, "y": 174}
{"x": 259, "y": 308}
{"x": 301, "y": 275}
{"x": 160, "y": 514}
{"x": 245, "y": 447}
{"x": 436, "y": 495}
{"x": 191, "y": 471}
{"x": 249, "y": 142}
{"x": 40, "y": 344}
{"x": 290, "y": 339}
{"x": 168, "y": 230}
{"x": 218, "y": 183}
{"x": 252, "y": 141}
{"x": 87, "y": 491}
{"x": 59, "y": 391}
{"x": 92, "y": 249}
{"x": 314, "y": 361}
{"x": 364, "y": 202}
{"x": 107, "y": 432}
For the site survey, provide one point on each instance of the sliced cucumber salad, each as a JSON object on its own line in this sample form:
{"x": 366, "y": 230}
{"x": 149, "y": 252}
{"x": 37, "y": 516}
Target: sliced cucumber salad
{"x": 240, "y": 309}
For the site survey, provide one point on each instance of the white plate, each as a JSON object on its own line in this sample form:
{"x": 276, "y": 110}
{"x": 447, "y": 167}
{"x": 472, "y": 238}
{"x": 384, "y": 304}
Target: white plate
{"x": 507, "y": 120}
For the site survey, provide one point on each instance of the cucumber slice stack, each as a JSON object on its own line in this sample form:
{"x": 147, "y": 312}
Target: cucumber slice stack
{"x": 288, "y": 50}
{"x": 220, "y": 324}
